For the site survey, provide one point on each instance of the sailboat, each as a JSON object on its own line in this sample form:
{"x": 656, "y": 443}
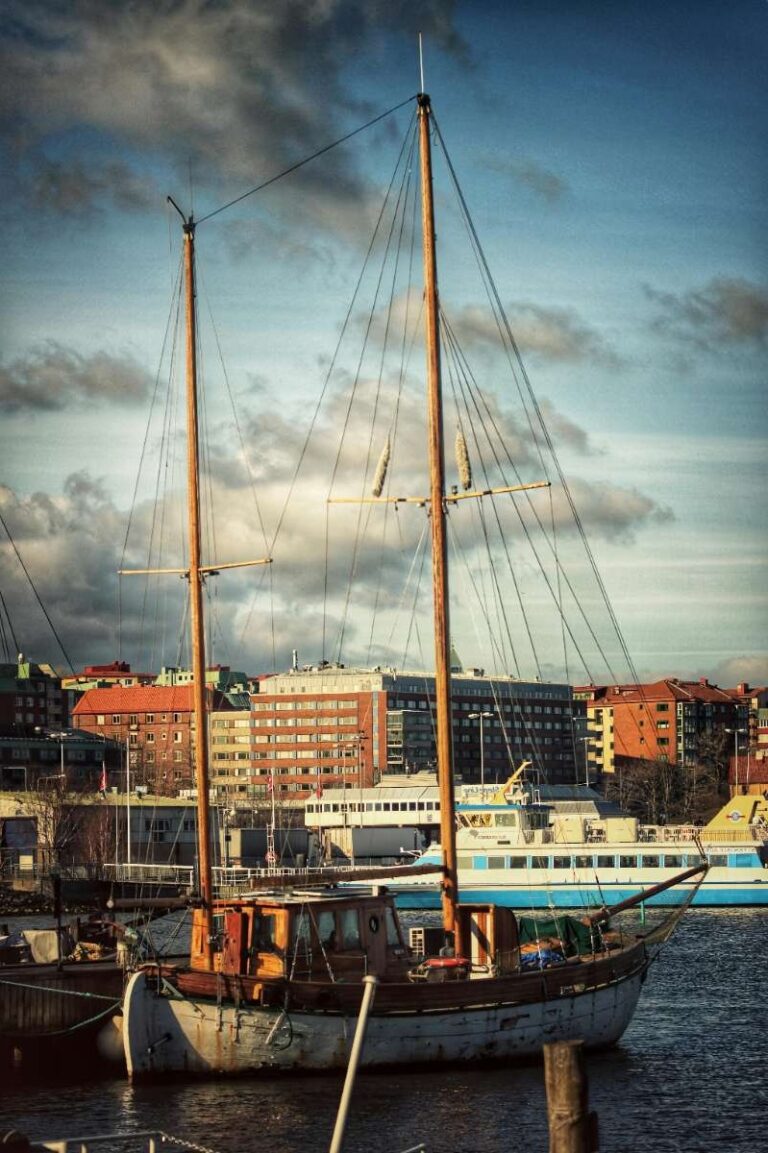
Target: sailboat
{"x": 275, "y": 978}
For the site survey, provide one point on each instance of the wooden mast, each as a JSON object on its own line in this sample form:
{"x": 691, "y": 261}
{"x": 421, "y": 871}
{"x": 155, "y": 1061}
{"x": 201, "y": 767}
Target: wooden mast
{"x": 203, "y": 945}
{"x": 449, "y": 893}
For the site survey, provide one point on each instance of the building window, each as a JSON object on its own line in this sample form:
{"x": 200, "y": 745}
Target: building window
{"x": 150, "y": 718}
{"x": 150, "y": 738}
{"x": 116, "y": 718}
{"x": 178, "y": 737}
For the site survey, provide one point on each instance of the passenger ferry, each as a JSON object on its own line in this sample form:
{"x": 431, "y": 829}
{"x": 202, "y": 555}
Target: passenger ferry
{"x": 520, "y": 852}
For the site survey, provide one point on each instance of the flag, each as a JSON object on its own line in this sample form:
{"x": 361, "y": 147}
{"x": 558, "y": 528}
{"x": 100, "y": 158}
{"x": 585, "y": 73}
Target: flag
{"x": 270, "y": 783}
{"x": 103, "y": 781}
{"x": 319, "y": 790}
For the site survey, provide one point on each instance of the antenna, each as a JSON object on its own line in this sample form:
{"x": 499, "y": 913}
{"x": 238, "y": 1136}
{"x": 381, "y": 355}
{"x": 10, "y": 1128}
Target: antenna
{"x": 421, "y": 65}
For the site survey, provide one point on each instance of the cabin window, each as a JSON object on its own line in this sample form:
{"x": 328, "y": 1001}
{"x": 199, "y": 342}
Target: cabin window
{"x": 465, "y": 861}
{"x": 672, "y": 861}
{"x": 506, "y": 819}
{"x": 517, "y": 862}
{"x": 583, "y": 862}
{"x": 539, "y": 862}
{"x": 496, "y": 862}
{"x": 263, "y": 934}
{"x": 649, "y": 862}
{"x": 393, "y": 936}
{"x": 718, "y": 860}
{"x": 561, "y": 862}
{"x": 606, "y": 862}
{"x": 627, "y": 862}
{"x": 350, "y": 929}
{"x": 326, "y": 929}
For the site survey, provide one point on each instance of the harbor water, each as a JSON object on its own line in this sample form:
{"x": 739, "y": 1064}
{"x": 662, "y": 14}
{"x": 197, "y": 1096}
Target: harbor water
{"x": 689, "y": 1075}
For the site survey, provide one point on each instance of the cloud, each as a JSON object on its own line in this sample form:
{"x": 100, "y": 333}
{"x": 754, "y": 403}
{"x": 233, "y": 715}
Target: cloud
{"x": 545, "y": 183}
{"x": 52, "y": 378}
{"x": 229, "y": 92}
{"x": 76, "y": 188}
{"x": 727, "y": 311}
{"x": 751, "y": 669}
{"x": 553, "y": 334}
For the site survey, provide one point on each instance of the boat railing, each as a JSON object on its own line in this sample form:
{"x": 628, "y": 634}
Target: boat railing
{"x": 665, "y": 834}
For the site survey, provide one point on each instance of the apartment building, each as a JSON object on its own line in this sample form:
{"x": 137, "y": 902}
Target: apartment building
{"x": 669, "y": 719}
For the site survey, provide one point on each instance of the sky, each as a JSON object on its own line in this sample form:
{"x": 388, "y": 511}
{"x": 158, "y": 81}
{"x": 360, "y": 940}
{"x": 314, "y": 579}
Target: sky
{"x": 613, "y": 159}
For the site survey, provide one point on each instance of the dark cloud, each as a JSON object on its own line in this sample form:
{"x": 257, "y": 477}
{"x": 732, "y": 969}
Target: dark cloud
{"x": 229, "y": 92}
{"x": 543, "y": 182}
{"x": 74, "y": 189}
{"x": 52, "y": 378}
{"x": 727, "y": 311}
{"x": 554, "y": 334}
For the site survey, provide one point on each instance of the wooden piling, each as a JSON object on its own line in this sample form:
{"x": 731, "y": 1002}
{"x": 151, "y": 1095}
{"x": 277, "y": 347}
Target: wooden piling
{"x": 572, "y": 1128}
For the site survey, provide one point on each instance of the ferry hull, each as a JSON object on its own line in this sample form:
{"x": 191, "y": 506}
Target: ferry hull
{"x": 167, "y": 1035}
{"x": 713, "y": 895}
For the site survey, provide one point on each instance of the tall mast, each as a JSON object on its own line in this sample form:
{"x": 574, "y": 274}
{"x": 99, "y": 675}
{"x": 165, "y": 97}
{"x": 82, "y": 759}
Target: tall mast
{"x": 450, "y": 893}
{"x": 196, "y": 598}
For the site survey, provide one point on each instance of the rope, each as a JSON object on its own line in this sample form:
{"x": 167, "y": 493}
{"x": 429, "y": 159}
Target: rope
{"x": 306, "y": 160}
{"x": 64, "y": 992}
{"x": 170, "y": 1140}
{"x": 25, "y": 1036}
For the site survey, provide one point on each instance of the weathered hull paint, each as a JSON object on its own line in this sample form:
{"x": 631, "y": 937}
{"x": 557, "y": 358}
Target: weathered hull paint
{"x": 168, "y": 1034}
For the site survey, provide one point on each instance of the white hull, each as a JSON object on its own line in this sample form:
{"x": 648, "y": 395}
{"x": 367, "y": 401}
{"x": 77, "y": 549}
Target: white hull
{"x": 167, "y": 1034}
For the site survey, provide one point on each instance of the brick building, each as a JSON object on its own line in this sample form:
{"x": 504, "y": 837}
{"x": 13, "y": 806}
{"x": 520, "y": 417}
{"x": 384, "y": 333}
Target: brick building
{"x": 157, "y": 726}
{"x": 331, "y": 726}
{"x": 668, "y": 719}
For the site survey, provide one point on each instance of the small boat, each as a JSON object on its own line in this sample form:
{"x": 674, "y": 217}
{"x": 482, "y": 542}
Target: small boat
{"x": 518, "y": 851}
{"x": 274, "y": 978}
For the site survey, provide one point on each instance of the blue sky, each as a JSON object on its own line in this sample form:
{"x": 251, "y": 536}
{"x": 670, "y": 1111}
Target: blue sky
{"x": 613, "y": 158}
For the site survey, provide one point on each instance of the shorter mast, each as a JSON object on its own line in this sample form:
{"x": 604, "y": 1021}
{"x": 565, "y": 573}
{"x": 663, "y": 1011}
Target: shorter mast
{"x": 196, "y": 577}
{"x": 450, "y": 888}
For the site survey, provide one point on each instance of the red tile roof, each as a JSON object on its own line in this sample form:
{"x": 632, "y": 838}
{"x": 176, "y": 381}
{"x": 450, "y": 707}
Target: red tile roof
{"x": 141, "y": 699}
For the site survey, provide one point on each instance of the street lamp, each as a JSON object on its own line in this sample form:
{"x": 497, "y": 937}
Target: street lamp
{"x": 480, "y": 717}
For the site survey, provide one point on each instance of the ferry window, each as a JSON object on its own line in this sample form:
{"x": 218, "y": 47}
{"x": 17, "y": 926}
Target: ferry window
{"x": 583, "y": 862}
{"x": 693, "y": 859}
{"x": 539, "y": 862}
{"x": 649, "y": 862}
{"x": 672, "y": 861}
{"x": 718, "y": 860}
{"x": 606, "y": 862}
{"x": 496, "y": 862}
{"x": 506, "y": 819}
{"x": 465, "y": 861}
{"x": 386, "y": 807}
{"x": 517, "y": 862}
{"x": 377, "y": 807}
{"x": 627, "y": 862}
{"x": 561, "y": 862}
{"x": 350, "y": 929}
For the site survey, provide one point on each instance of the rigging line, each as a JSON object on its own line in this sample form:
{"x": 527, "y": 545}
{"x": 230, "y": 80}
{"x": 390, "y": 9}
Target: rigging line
{"x": 545, "y": 431}
{"x": 532, "y": 508}
{"x": 474, "y": 392}
{"x": 365, "y": 512}
{"x": 406, "y": 584}
{"x": 321, "y": 398}
{"x": 238, "y": 426}
{"x": 401, "y": 378}
{"x": 37, "y": 595}
{"x": 306, "y": 160}
{"x": 453, "y": 360}
{"x": 7, "y": 622}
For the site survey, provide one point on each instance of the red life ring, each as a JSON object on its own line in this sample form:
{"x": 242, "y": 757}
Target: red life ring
{"x": 447, "y": 963}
